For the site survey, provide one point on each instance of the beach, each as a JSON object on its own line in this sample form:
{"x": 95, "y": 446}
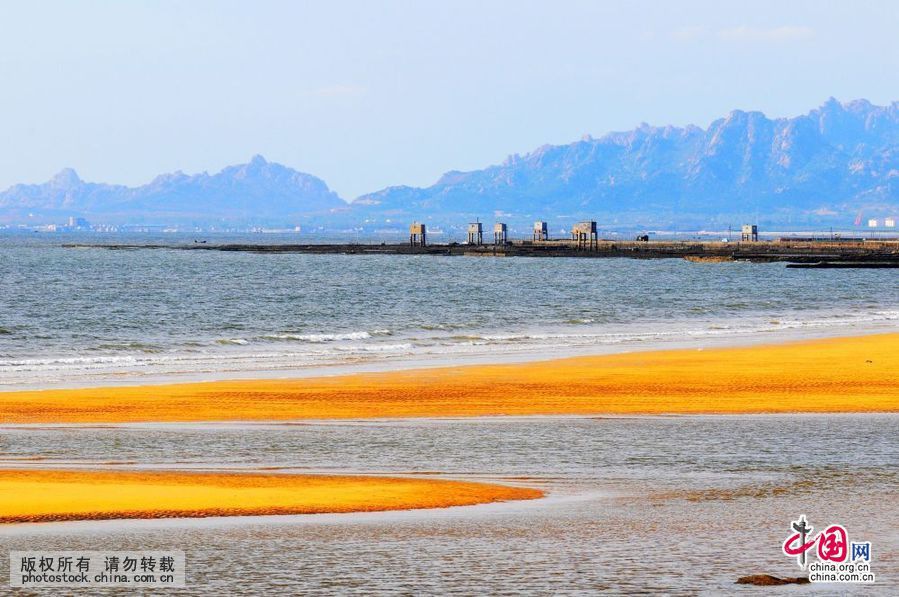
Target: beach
{"x": 678, "y": 505}
{"x": 606, "y": 471}
{"x": 302, "y": 423}
{"x": 57, "y": 495}
{"x": 836, "y": 375}
{"x": 395, "y": 298}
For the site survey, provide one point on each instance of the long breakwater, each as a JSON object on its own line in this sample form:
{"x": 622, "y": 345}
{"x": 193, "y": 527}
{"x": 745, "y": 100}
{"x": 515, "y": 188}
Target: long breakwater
{"x": 822, "y": 253}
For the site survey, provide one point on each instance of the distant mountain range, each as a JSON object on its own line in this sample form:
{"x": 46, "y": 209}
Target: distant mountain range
{"x": 819, "y": 168}
{"x": 258, "y": 192}
{"x": 823, "y": 168}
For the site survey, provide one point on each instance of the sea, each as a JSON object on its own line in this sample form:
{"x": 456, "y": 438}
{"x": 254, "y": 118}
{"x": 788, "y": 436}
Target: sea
{"x": 635, "y": 505}
{"x": 89, "y": 316}
{"x": 675, "y": 505}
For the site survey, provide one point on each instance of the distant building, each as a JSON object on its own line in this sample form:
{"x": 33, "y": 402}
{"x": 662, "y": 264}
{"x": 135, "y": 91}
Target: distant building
{"x": 872, "y": 223}
{"x": 890, "y": 222}
{"x": 585, "y": 235}
{"x": 475, "y": 233}
{"x": 78, "y": 223}
{"x": 418, "y": 234}
{"x": 541, "y": 231}
{"x": 500, "y": 233}
{"x": 749, "y": 233}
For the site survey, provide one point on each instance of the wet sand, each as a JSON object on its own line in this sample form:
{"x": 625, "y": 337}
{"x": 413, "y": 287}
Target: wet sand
{"x": 855, "y": 374}
{"x": 53, "y": 495}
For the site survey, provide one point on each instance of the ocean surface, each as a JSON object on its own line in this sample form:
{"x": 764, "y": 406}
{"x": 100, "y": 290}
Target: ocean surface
{"x": 676, "y": 505}
{"x": 636, "y": 505}
{"x": 86, "y": 316}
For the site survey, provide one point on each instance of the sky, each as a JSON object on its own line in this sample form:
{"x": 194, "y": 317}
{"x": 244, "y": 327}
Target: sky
{"x": 369, "y": 94}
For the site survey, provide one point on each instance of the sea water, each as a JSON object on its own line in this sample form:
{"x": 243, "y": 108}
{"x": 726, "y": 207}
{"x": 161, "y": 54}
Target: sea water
{"x": 678, "y": 505}
{"x": 86, "y": 316}
{"x": 675, "y": 505}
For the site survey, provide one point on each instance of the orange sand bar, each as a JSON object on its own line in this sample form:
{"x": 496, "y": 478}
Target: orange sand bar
{"x": 856, "y": 374}
{"x": 48, "y": 495}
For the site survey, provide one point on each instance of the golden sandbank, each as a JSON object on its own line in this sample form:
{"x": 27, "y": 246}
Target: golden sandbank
{"x": 855, "y": 374}
{"x": 54, "y": 495}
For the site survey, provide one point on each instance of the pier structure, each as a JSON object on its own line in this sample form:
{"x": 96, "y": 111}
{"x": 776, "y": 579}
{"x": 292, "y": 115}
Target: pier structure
{"x": 476, "y": 233}
{"x": 418, "y": 235}
{"x": 500, "y": 234}
{"x": 750, "y": 233}
{"x": 805, "y": 251}
{"x": 541, "y": 231}
{"x": 585, "y": 236}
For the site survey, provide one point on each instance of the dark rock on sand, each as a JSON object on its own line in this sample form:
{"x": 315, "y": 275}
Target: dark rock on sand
{"x": 766, "y": 580}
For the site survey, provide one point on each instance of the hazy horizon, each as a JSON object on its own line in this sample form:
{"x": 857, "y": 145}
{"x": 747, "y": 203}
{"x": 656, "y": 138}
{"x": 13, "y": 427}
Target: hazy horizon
{"x": 368, "y": 96}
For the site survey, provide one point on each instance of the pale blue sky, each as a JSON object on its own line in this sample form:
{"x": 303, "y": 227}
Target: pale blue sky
{"x": 378, "y": 93}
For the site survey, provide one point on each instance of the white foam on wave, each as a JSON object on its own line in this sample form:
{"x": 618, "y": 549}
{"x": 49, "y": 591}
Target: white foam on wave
{"x": 65, "y": 362}
{"x": 375, "y": 348}
{"x": 703, "y": 329}
{"x": 240, "y": 355}
{"x": 318, "y": 338}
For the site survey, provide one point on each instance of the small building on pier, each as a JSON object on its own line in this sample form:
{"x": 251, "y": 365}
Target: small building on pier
{"x": 750, "y": 233}
{"x": 418, "y": 235}
{"x": 541, "y": 231}
{"x": 476, "y": 233}
{"x": 500, "y": 234}
{"x": 584, "y": 234}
